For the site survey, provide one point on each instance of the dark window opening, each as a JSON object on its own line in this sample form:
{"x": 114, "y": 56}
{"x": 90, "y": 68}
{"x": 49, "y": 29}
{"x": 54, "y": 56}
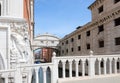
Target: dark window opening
{"x": 101, "y": 44}
{"x": 67, "y": 42}
{"x": 116, "y": 1}
{"x": 102, "y": 64}
{"x": 100, "y": 9}
{"x": 100, "y": 28}
{"x": 88, "y": 33}
{"x": 72, "y": 40}
{"x": 79, "y": 36}
{"x": 88, "y": 46}
{"x": 72, "y": 49}
{"x": 117, "y": 21}
{"x": 117, "y": 41}
{"x": 79, "y": 48}
{"x": 66, "y": 50}
{"x": 62, "y": 43}
{"x": 118, "y": 65}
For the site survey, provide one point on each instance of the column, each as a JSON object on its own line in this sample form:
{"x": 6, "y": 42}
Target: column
{"x": 76, "y": 64}
{"x": 63, "y": 64}
{"x": 70, "y": 69}
{"x": 83, "y": 68}
{"x": 54, "y": 70}
{"x": 99, "y": 68}
{"x": 91, "y": 67}
{"x": 110, "y": 67}
{"x": 115, "y": 66}
{"x": 44, "y": 75}
{"x": 36, "y": 75}
{"x": 104, "y": 67}
{"x": 6, "y": 79}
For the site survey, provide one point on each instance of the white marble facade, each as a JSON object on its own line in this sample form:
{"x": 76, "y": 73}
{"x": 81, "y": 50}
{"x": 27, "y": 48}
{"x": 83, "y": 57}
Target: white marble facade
{"x": 14, "y": 40}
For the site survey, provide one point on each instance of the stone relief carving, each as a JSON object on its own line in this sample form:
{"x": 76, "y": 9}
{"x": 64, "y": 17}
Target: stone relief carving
{"x": 20, "y": 45}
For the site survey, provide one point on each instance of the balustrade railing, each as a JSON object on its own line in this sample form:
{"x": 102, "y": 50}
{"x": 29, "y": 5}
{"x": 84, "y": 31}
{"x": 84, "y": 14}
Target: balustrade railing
{"x": 72, "y": 66}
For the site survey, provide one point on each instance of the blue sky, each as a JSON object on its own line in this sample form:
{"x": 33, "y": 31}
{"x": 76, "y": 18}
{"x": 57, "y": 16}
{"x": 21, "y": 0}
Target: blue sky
{"x": 60, "y": 17}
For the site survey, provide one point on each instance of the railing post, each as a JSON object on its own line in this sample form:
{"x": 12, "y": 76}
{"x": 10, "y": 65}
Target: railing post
{"x": 55, "y": 68}
{"x": 115, "y": 66}
{"x": 44, "y": 75}
{"x": 110, "y": 66}
{"x": 99, "y": 67}
{"x": 70, "y": 69}
{"x": 76, "y": 64}
{"x": 91, "y": 65}
{"x": 83, "y": 68}
{"x": 36, "y": 74}
{"x": 104, "y": 66}
{"x": 63, "y": 66}
{"x": 18, "y": 75}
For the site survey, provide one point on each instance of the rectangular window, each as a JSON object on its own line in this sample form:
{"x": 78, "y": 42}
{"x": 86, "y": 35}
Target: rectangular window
{"x": 101, "y": 44}
{"x": 66, "y": 41}
{"x": 66, "y": 50}
{"x": 117, "y": 41}
{"x": 117, "y": 21}
{"x": 88, "y": 33}
{"x": 100, "y": 9}
{"x": 72, "y": 49}
{"x": 79, "y": 36}
{"x": 79, "y": 48}
{"x": 72, "y": 39}
{"x": 88, "y": 46}
{"x": 100, "y": 28}
{"x": 62, "y": 43}
{"x": 116, "y": 1}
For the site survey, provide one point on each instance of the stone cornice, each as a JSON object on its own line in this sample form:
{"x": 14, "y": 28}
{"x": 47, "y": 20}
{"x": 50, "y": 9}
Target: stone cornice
{"x": 96, "y": 3}
{"x": 105, "y": 17}
{"x": 6, "y": 19}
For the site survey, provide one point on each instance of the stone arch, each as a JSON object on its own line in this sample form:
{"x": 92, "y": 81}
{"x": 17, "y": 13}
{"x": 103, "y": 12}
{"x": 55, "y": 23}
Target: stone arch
{"x": 96, "y": 67}
{"x": 67, "y": 68}
{"x": 33, "y": 76}
{"x": 86, "y": 67}
{"x": 80, "y": 67}
{"x": 60, "y": 68}
{"x": 48, "y": 74}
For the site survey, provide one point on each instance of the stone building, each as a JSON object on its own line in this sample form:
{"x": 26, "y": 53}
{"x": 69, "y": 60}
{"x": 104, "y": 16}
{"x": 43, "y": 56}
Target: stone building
{"x": 101, "y": 35}
{"x": 16, "y": 32}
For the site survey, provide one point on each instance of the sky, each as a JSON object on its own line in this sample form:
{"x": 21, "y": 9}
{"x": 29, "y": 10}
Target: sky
{"x": 60, "y": 17}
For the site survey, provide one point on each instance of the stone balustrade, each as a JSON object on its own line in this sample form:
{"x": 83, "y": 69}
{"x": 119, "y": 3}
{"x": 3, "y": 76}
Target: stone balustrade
{"x": 72, "y": 66}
